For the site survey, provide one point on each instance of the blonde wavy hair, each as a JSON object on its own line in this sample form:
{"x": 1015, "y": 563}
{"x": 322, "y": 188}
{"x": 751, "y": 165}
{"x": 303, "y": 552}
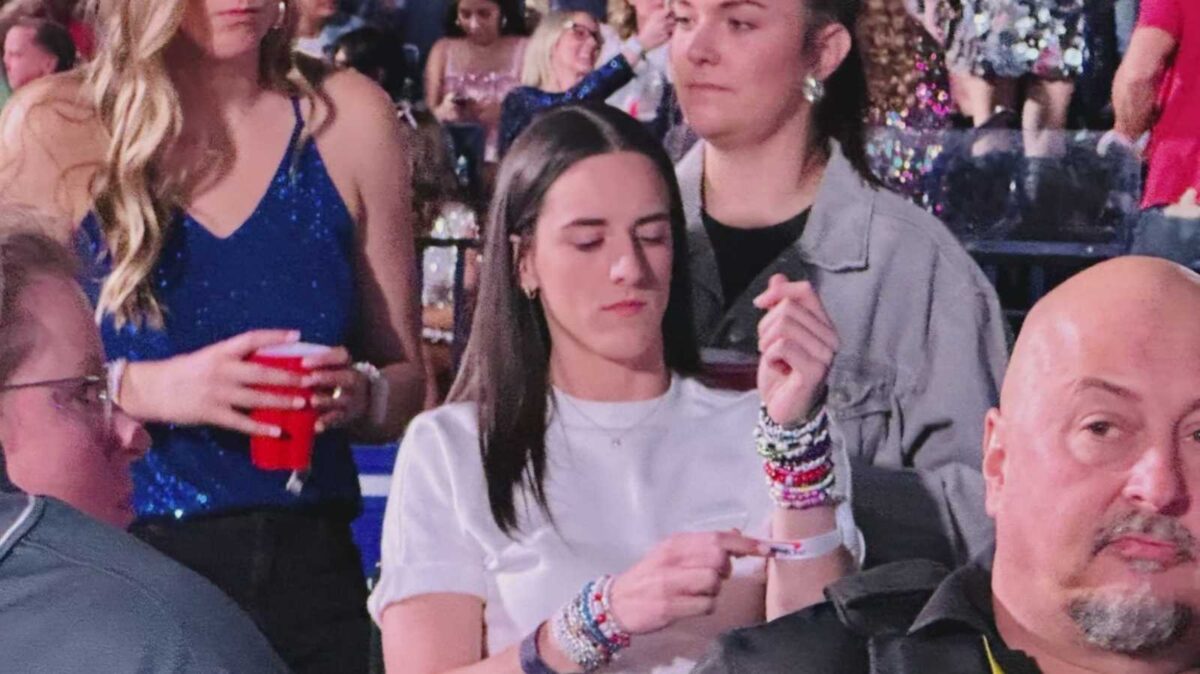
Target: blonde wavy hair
{"x": 537, "y": 70}
{"x": 134, "y": 199}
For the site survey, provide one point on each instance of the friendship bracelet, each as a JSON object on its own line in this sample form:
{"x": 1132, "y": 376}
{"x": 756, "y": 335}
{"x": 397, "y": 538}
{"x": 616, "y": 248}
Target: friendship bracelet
{"x": 775, "y": 432}
{"x": 784, "y": 475}
{"x": 585, "y": 628}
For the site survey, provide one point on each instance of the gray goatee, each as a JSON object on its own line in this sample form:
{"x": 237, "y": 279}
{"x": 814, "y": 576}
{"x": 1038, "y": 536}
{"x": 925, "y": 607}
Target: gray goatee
{"x": 1132, "y": 624}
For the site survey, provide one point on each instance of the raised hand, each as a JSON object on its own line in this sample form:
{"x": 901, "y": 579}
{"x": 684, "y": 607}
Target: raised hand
{"x": 797, "y": 341}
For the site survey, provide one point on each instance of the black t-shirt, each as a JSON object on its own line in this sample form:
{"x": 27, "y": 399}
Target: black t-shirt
{"x": 742, "y": 254}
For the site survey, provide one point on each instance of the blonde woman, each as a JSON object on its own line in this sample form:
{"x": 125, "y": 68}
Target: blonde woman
{"x": 560, "y": 67}
{"x": 231, "y": 203}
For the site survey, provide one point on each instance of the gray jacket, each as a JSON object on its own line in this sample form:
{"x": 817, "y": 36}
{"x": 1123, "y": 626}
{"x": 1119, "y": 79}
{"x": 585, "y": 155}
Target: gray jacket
{"x": 923, "y": 351}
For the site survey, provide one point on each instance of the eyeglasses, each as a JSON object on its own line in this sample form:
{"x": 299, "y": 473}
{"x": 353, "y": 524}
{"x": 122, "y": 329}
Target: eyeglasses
{"x": 89, "y": 391}
{"x": 582, "y": 32}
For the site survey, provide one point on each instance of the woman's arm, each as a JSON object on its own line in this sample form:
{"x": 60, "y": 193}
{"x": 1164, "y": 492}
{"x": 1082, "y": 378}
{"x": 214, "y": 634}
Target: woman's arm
{"x": 388, "y": 334}
{"x": 596, "y": 85}
{"x": 798, "y": 342}
{"x": 435, "y": 68}
{"x": 443, "y": 634}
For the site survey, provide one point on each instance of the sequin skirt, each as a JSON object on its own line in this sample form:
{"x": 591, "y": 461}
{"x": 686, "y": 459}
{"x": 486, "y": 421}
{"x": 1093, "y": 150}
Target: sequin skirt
{"x": 1014, "y": 38}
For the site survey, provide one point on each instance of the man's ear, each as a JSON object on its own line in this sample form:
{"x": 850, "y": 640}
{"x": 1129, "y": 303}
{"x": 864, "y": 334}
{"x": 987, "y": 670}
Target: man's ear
{"x": 995, "y": 458}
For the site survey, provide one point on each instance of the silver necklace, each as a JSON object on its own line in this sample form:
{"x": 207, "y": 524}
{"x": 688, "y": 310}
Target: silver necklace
{"x": 615, "y": 440}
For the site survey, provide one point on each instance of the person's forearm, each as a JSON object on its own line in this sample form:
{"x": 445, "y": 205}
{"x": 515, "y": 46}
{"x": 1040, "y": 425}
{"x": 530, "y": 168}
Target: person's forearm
{"x": 793, "y": 585}
{"x": 507, "y": 661}
{"x": 1133, "y": 103}
{"x": 405, "y": 399}
{"x": 136, "y": 393}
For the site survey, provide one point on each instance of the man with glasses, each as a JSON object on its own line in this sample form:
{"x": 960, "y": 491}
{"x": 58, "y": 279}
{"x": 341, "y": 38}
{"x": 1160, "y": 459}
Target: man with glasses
{"x": 78, "y": 594}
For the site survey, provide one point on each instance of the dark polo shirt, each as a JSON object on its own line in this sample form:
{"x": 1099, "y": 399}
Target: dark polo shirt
{"x": 903, "y": 618}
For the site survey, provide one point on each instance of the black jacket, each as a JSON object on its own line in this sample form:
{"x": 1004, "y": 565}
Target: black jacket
{"x": 902, "y": 618}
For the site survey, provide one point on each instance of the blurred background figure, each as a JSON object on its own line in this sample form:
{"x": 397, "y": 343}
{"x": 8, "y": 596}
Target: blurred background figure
{"x": 1157, "y": 89}
{"x": 70, "y": 14}
{"x": 35, "y": 48}
{"x": 320, "y": 23}
{"x": 560, "y": 67}
{"x": 649, "y": 97}
{"x": 909, "y": 106}
{"x": 472, "y": 69}
{"x": 372, "y": 53}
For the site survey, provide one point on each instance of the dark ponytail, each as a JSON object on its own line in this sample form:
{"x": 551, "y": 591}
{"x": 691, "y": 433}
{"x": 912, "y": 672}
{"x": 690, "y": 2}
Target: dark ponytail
{"x": 842, "y": 114}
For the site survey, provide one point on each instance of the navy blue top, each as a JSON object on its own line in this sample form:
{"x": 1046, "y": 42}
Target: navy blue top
{"x": 290, "y": 265}
{"x": 522, "y": 104}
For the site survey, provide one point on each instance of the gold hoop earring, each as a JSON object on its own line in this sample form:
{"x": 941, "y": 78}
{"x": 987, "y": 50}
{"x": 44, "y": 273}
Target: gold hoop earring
{"x": 530, "y": 293}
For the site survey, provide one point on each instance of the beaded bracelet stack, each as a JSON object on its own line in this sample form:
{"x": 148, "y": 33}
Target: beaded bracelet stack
{"x": 798, "y": 462}
{"x": 586, "y": 629}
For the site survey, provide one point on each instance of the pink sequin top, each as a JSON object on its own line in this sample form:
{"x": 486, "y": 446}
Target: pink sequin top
{"x": 486, "y": 86}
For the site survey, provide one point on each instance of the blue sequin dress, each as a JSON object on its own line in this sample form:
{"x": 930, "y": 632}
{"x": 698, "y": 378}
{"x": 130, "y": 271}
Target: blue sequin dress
{"x": 524, "y": 103}
{"x": 290, "y": 265}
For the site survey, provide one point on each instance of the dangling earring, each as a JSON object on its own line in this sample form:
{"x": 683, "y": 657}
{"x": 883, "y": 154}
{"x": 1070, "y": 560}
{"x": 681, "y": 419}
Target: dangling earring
{"x": 279, "y": 20}
{"x": 813, "y": 89}
{"x": 503, "y": 22}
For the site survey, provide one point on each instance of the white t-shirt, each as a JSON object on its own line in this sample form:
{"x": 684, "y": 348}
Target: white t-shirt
{"x": 687, "y": 463}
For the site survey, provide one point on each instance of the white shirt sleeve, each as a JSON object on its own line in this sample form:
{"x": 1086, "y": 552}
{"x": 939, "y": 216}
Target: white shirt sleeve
{"x": 426, "y": 547}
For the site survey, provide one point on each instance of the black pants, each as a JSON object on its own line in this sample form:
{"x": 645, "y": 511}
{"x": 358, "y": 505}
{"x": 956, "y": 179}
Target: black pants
{"x": 299, "y": 576}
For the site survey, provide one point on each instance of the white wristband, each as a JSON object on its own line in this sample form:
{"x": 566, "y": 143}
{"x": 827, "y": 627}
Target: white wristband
{"x": 807, "y": 548}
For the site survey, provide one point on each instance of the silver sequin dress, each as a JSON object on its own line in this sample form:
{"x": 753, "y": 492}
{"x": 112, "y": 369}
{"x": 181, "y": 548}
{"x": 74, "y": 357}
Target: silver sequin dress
{"x": 1014, "y": 38}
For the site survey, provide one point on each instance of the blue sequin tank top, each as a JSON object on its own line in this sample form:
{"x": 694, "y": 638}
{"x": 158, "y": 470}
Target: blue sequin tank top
{"x": 290, "y": 266}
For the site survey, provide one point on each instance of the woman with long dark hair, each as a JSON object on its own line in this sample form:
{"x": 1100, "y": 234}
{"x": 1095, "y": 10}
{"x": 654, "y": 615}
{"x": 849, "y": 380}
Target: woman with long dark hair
{"x": 576, "y": 444}
{"x": 781, "y": 184}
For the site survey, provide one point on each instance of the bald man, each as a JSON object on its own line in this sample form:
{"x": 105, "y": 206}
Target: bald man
{"x": 1092, "y": 463}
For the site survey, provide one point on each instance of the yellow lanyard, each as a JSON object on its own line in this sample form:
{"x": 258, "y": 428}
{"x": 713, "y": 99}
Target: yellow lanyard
{"x": 991, "y": 658}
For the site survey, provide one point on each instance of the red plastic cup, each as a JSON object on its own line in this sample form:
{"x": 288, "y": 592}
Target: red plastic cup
{"x": 293, "y": 449}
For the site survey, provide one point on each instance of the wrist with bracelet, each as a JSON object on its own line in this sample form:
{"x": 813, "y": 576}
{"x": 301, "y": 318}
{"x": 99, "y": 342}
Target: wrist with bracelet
{"x": 799, "y": 470}
{"x": 377, "y": 392}
{"x": 585, "y": 629}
